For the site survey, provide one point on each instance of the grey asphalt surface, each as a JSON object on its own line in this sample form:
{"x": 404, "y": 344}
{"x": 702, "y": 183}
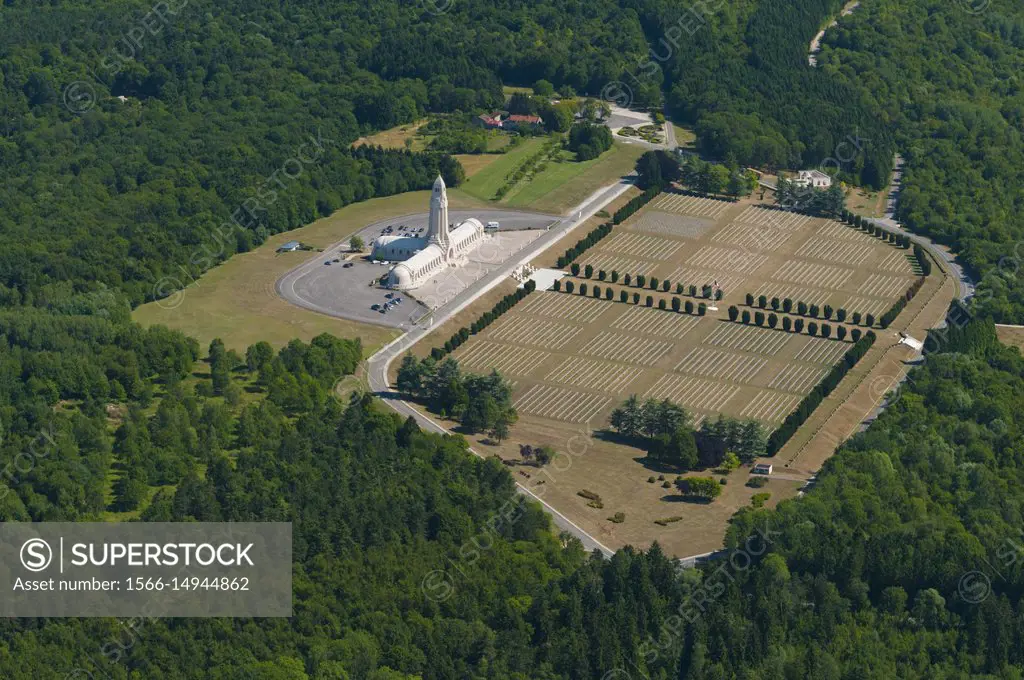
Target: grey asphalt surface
{"x": 349, "y": 293}
{"x": 377, "y": 365}
{"x": 964, "y": 284}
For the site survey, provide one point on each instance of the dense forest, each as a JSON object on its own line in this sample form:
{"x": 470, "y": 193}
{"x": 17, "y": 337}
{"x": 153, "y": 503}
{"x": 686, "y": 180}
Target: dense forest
{"x": 237, "y": 119}
{"x": 903, "y": 561}
{"x": 949, "y": 80}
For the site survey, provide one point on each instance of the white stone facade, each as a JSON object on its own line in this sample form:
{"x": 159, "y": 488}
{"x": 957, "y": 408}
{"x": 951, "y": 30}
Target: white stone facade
{"x": 422, "y": 258}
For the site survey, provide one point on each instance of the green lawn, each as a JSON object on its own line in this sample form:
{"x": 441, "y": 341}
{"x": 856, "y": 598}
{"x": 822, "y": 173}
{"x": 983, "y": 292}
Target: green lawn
{"x": 685, "y": 137}
{"x": 567, "y": 183}
{"x": 485, "y": 183}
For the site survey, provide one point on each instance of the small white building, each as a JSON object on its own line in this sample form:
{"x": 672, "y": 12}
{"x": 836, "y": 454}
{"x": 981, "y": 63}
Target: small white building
{"x": 812, "y": 178}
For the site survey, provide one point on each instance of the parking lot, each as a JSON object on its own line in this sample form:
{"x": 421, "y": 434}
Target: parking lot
{"x": 347, "y": 288}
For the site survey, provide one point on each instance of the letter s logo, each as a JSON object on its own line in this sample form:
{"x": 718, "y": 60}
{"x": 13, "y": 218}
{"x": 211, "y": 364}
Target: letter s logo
{"x": 36, "y": 554}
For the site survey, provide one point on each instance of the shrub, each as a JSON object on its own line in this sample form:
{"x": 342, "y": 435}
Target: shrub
{"x": 597, "y": 291}
{"x": 812, "y": 328}
{"x": 855, "y": 318}
{"x": 773, "y": 321}
{"x": 705, "y": 291}
{"x": 828, "y": 311}
{"x": 762, "y": 301}
{"x": 734, "y": 312}
{"x": 841, "y": 315}
{"x": 583, "y": 289}
{"x": 775, "y": 304}
{"x": 569, "y": 286}
{"x": 826, "y": 330}
{"x": 649, "y": 301}
{"x": 601, "y": 275}
{"x": 615, "y": 276}
{"x": 627, "y": 280}
{"x": 557, "y": 285}
{"x": 689, "y": 306}
{"x": 653, "y": 283}
{"x": 623, "y": 296}
{"x": 641, "y": 280}
{"x": 702, "y": 309}
{"x": 759, "y": 318}
{"x": 787, "y": 305}
{"x": 676, "y": 304}
{"x": 665, "y": 285}
{"x": 588, "y": 271}
{"x": 662, "y": 304}
{"x": 693, "y": 290}
{"x": 787, "y": 324}
{"x": 680, "y": 288}
{"x": 750, "y": 300}
{"x": 869, "y": 320}
{"x": 798, "y": 325}
{"x": 745, "y": 317}
{"x": 841, "y": 332}
{"x": 801, "y": 308}
{"x": 719, "y": 294}
{"x": 575, "y": 268}
{"x": 620, "y": 517}
{"x": 757, "y": 482}
{"x": 636, "y": 298}
{"x": 855, "y": 334}
{"x": 650, "y": 480}
{"x": 815, "y": 310}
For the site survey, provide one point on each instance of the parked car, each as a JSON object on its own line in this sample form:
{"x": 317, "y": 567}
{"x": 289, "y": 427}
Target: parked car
{"x": 375, "y": 306}
{"x": 328, "y": 262}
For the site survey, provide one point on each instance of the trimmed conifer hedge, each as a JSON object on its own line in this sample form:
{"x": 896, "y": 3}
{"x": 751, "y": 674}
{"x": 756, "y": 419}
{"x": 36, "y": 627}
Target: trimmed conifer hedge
{"x": 824, "y": 388}
{"x": 486, "y": 319}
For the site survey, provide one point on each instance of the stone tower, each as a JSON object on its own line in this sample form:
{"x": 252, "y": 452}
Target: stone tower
{"x": 437, "y": 230}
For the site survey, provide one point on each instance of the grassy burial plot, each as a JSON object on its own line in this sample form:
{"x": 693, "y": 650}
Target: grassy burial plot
{"x": 690, "y": 205}
{"x": 575, "y": 357}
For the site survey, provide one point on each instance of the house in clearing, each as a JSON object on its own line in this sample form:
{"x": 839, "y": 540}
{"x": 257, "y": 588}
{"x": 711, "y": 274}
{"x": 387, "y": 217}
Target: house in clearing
{"x": 521, "y": 122}
{"x": 290, "y": 247}
{"x": 489, "y": 122}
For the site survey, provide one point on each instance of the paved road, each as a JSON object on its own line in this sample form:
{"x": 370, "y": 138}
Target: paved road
{"x": 964, "y": 284}
{"x": 377, "y": 366}
{"x": 670, "y": 133}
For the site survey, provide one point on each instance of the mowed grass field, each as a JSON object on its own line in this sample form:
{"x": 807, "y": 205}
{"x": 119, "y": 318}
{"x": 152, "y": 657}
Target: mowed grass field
{"x": 486, "y": 181}
{"x": 567, "y": 183}
{"x": 237, "y": 302}
{"x": 396, "y": 136}
{"x": 573, "y": 358}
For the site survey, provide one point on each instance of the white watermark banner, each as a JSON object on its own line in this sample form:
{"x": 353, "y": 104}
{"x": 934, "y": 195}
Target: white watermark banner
{"x": 151, "y": 569}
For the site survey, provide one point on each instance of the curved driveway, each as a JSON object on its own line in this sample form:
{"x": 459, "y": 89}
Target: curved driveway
{"x": 377, "y": 371}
